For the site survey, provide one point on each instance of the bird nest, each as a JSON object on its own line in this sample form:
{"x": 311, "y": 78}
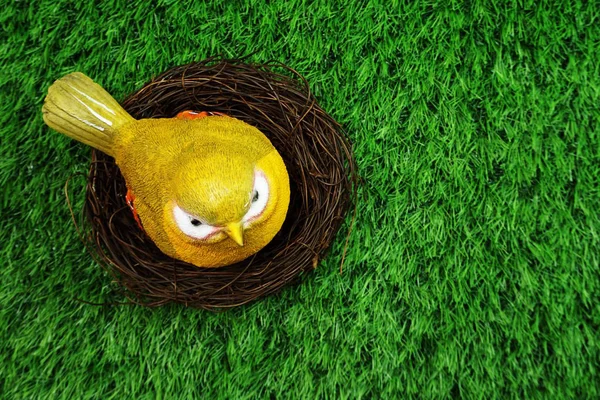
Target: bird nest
{"x": 276, "y": 100}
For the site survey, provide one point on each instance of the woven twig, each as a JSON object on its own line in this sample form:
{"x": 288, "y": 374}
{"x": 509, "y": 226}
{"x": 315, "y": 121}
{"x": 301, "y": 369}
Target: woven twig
{"x": 316, "y": 153}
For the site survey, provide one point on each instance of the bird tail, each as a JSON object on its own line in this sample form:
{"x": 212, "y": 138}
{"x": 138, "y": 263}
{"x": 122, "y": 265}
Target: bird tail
{"x": 79, "y": 108}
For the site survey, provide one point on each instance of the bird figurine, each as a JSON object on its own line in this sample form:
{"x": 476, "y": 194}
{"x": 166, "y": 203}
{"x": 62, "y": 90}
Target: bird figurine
{"x": 207, "y": 188}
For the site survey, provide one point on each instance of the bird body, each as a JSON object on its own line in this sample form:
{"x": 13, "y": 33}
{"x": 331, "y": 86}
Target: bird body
{"x": 210, "y": 190}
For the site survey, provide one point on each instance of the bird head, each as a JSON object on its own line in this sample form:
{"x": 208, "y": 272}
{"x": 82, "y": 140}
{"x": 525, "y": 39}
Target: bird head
{"x": 222, "y": 196}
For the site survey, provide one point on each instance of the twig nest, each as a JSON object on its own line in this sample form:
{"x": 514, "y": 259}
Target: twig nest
{"x": 317, "y": 155}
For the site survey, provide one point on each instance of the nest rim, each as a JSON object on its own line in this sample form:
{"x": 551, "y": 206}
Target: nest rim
{"x": 318, "y": 155}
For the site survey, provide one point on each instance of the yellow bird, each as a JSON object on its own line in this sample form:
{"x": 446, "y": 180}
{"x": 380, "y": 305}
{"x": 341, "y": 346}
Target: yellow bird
{"x": 210, "y": 190}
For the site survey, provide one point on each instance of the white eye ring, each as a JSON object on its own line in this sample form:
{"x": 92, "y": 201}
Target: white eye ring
{"x": 260, "y": 197}
{"x": 191, "y": 225}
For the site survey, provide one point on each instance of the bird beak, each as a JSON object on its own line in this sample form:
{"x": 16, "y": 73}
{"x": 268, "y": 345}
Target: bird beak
{"x": 236, "y": 232}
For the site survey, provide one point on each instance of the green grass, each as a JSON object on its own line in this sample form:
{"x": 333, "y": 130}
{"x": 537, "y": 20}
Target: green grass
{"x": 473, "y": 269}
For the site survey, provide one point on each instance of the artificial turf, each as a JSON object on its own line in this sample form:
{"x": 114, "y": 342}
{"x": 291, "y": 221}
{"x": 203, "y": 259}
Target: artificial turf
{"x": 473, "y": 267}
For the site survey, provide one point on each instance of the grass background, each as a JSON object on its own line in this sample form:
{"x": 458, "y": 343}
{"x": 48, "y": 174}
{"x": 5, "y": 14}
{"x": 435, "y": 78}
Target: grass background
{"x": 473, "y": 270}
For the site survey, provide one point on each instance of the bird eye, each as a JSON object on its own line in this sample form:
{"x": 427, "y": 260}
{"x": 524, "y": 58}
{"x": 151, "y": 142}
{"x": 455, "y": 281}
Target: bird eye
{"x": 260, "y": 196}
{"x": 191, "y": 225}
